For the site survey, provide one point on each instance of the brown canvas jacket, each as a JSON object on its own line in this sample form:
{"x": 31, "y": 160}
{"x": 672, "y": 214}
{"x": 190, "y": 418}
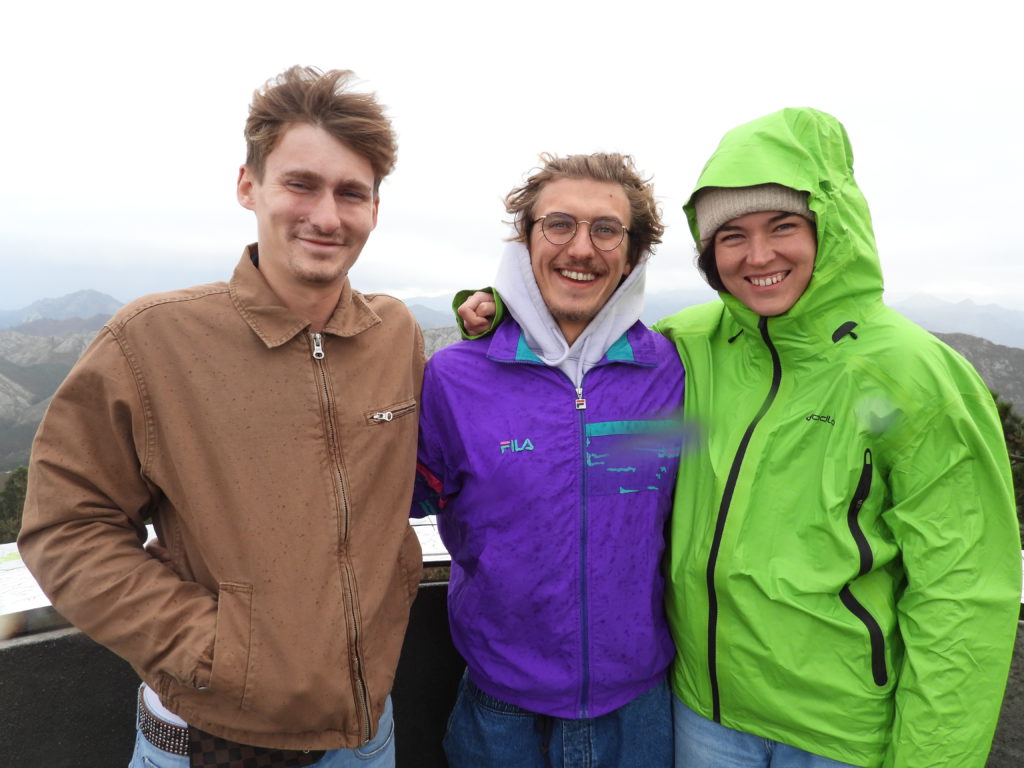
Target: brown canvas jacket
{"x": 280, "y": 483}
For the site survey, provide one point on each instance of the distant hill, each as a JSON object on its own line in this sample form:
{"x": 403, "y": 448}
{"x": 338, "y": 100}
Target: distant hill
{"x": 48, "y": 326}
{"x": 431, "y": 318}
{"x": 659, "y": 304}
{"x": 80, "y": 304}
{"x": 1001, "y": 367}
{"x": 437, "y": 338}
{"x": 989, "y": 321}
{"x": 31, "y": 369}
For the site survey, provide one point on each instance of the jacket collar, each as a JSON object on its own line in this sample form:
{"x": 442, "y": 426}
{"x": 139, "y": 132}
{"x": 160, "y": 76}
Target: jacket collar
{"x": 635, "y": 346}
{"x": 273, "y": 322}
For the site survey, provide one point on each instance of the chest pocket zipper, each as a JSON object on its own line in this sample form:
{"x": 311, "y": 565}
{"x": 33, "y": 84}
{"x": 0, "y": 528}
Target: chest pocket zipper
{"x": 391, "y": 413}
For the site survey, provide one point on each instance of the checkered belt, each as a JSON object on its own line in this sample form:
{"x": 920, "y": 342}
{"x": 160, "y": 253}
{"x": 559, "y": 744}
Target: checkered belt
{"x": 161, "y": 734}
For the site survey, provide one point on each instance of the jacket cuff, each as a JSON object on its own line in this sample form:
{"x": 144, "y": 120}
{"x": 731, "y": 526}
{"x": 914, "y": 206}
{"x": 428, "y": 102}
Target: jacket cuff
{"x": 499, "y": 311}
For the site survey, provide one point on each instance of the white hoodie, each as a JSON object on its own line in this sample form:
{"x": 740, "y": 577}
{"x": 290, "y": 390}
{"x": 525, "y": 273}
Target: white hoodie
{"x": 520, "y": 293}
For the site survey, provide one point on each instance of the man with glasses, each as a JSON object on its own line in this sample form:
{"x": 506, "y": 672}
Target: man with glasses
{"x": 548, "y": 452}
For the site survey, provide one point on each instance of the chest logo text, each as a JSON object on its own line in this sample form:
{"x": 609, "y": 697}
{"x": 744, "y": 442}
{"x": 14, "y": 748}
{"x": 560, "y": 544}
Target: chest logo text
{"x": 515, "y": 446}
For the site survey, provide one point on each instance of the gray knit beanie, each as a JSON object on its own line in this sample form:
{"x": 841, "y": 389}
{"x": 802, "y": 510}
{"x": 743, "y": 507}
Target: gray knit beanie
{"x": 715, "y": 206}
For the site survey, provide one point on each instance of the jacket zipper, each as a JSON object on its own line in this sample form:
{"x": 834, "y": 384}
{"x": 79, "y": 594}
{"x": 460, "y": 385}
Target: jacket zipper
{"x": 581, "y": 406}
{"x": 348, "y": 585}
{"x": 382, "y": 417}
{"x": 723, "y": 511}
{"x": 860, "y": 495}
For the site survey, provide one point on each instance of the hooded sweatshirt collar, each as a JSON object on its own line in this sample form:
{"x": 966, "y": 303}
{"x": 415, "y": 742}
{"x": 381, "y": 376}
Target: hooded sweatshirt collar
{"x": 540, "y": 332}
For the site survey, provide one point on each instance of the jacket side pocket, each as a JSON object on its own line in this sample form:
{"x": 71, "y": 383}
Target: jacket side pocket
{"x": 232, "y": 642}
{"x": 410, "y": 559}
{"x": 854, "y": 606}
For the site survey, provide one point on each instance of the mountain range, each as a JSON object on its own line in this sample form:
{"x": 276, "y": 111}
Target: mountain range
{"x": 39, "y": 344}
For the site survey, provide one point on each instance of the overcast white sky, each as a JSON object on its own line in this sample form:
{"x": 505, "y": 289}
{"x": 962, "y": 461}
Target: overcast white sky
{"x": 122, "y": 127}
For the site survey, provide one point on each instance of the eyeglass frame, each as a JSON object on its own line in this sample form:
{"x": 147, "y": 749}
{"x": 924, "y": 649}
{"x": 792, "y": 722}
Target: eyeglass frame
{"x": 576, "y": 228}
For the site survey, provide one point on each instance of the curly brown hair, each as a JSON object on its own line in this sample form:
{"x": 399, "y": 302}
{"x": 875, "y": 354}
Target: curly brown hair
{"x": 324, "y": 99}
{"x": 645, "y": 227}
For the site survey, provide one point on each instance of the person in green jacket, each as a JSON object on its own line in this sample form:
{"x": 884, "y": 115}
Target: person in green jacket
{"x": 844, "y": 564}
{"x": 844, "y": 572}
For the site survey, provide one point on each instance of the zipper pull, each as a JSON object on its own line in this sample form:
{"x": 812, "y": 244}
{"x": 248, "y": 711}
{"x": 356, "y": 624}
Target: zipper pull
{"x": 318, "y": 347}
{"x": 383, "y": 416}
{"x": 581, "y": 403}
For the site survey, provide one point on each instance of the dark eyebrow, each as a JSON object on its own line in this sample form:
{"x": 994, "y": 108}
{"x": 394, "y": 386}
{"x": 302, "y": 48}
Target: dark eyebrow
{"x": 777, "y": 217}
{"x": 300, "y": 174}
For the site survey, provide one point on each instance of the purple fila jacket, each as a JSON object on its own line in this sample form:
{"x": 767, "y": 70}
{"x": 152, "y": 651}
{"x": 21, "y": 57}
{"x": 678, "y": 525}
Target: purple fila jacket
{"x": 553, "y": 502}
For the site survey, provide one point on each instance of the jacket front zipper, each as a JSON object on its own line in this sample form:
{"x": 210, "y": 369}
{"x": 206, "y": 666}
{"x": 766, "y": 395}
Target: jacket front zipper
{"x": 853, "y": 605}
{"x": 723, "y": 511}
{"x": 348, "y": 585}
{"x": 581, "y": 407}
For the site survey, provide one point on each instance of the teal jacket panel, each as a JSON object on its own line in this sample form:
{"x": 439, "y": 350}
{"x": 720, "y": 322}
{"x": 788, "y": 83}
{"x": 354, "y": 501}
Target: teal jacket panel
{"x": 844, "y": 561}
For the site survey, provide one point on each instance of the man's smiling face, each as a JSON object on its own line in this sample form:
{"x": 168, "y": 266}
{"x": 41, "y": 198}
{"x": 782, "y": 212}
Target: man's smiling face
{"x": 315, "y": 207}
{"x": 576, "y": 279}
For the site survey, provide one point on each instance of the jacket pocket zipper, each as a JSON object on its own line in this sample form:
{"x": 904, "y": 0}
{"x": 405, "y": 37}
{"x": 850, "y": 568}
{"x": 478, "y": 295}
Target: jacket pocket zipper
{"x": 391, "y": 413}
{"x": 853, "y": 605}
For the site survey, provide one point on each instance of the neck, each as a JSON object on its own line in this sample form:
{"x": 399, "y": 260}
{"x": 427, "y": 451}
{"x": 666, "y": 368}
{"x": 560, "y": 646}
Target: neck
{"x": 571, "y": 330}
{"x": 317, "y": 309}
{"x": 312, "y": 302}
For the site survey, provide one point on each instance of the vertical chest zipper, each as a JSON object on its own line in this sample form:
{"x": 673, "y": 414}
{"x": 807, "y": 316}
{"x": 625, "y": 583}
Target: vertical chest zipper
{"x": 723, "y": 511}
{"x": 581, "y": 405}
{"x": 348, "y": 580}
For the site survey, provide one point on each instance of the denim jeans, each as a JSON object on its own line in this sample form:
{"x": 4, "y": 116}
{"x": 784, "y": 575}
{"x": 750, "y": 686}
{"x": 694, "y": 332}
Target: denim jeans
{"x": 703, "y": 743}
{"x": 378, "y": 753}
{"x": 485, "y": 732}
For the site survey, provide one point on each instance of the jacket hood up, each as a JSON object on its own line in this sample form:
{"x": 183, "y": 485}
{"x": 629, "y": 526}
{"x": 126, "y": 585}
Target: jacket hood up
{"x": 809, "y": 151}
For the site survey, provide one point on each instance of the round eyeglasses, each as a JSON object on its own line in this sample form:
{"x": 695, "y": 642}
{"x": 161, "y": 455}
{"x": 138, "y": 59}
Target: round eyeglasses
{"x": 560, "y": 228}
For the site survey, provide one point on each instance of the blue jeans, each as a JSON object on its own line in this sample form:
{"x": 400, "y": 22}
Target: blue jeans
{"x": 485, "y": 732}
{"x": 703, "y": 743}
{"x": 378, "y": 753}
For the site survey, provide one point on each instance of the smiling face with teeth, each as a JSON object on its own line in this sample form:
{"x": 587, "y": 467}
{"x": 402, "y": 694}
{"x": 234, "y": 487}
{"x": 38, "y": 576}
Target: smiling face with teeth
{"x": 766, "y": 259}
{"x": 576, "y": 279}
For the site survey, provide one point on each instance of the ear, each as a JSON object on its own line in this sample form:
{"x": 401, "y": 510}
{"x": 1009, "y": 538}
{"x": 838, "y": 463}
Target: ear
{"x": 244, "y": 188}
{"x": 376, "y": 206}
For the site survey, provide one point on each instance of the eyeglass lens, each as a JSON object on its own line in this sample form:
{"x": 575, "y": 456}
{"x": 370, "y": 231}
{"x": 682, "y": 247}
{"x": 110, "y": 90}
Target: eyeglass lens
{"x": 559, "y": 229}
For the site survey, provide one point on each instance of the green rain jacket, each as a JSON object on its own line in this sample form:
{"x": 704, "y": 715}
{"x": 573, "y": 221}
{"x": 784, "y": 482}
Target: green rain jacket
{"x": 845, "y": 572}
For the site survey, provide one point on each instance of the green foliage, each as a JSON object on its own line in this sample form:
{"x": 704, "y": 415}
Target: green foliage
{"x": 1013, "y": 431}
{"x": 12, "y": 500}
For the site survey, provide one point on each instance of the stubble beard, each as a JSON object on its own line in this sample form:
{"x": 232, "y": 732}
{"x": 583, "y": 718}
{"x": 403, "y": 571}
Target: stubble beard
{"x": 320, "y": 271}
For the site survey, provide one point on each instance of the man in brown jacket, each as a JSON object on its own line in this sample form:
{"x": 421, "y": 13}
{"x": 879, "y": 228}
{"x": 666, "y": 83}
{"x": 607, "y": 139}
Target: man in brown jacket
{"x": 267, "y": 427}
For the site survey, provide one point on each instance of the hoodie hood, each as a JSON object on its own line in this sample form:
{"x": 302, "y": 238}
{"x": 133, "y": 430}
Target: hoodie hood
{"x": 521, "y": 295}
{"x": 809, "y": 151}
